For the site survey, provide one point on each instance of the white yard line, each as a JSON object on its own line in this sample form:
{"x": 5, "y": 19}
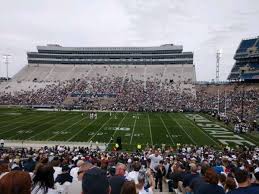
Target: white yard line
{"x": 5, "y": 119}
{"x": 66, "y": 129}
{"x": 60, "y": 123}
{"x": 201, "y": 131}
{"x": 83, "y": 129}
{"x": 151, "y": 138}
{"x": 4, "y": 115}
{"x": 167, "y": 130}
{"x": 245, "y": 135}
{"x": 22, "y": 125}
{"x": 18, "y": 121}
{"x": 98, "y": 130}
{"x": 116, "y": 130}
{"x": 133, "y": 131}
{"x": 183, "y": 129}
{"x": 51, "y": 120}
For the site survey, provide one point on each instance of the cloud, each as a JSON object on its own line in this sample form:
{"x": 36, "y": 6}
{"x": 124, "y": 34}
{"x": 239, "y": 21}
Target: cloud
{"x": 200, "y": 26}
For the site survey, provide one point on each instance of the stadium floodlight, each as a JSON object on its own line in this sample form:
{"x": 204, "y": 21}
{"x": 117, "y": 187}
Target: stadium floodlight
{"x": 6, "y": 61}
{"x": 218, "y": 56}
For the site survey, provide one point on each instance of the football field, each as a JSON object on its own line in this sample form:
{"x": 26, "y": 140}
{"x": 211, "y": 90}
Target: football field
{"x": 133, "y": 128}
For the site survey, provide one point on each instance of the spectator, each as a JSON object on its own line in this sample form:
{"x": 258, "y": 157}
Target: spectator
{"x": 15, "y": 182}
{"x": 222, "y": 179}
{"x": 187, "y": 181}
{"x": 56, "y": 166}
{"x": 160, "y": 173}
{"x": 3, "y": 169}
{"x": 95, "y": 181}
{"x": 211, "y": 184}
{"x": 118, "y": 180}
{"x": 256, "y": 174}
{"x": 43, "y": 181}
{"x": 140, "y": 185}
{"x": 230, "y": 184}
{"x": 73, "y": 171}
{"x": 64, "y": 176}
{"x": 176, "y": 177}
{"x": 243, "y": 179}
{"x": 128, "y": 187}
{"x": 29, "y": 165}
{"x": 133, "y": 175}
{"x": 155, "y": 159}
{"x": 76, "y": 185}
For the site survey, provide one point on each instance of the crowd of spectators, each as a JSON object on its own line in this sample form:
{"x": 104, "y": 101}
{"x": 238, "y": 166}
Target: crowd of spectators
{"x": 118, "y": 94}
{"x": 131, "y": 95}
{"x": 231, "y": 97}
{"x": 182, "y": 169}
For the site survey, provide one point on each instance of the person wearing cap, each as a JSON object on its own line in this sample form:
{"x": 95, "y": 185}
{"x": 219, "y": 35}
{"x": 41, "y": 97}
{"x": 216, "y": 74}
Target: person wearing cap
{"x": 29, "y": 164}
{"x": 95, "y": 182}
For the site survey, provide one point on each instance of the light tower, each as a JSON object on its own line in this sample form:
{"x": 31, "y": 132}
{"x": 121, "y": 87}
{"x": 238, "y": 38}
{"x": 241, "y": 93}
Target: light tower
{"x": 218, "y": 56}
{"x": 6, "y": 61}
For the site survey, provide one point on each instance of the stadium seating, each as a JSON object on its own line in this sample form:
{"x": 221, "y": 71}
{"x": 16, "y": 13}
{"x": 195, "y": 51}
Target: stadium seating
{"x": 245, "y": 44}
{"x": 13, "y": 86}
{"x": 138, "y": 72}
{"x": 247, "y": 60}
{"x": 79, "y": 71}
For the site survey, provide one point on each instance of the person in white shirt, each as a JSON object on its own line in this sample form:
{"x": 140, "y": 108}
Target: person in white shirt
{"x": 73, "y": 171}
{"x": 155, "y": 159}
{"x": 58, "y": 170}
{"x": 133, "y": 175}
{"x": 140, "y": 184}
{"x": 76, "y": 186}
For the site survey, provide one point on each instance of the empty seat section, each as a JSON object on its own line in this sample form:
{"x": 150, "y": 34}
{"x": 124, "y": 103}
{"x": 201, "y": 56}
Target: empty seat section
{"x": 154, "y": 72}
{"x": 60, "y": 73}
{"x": 136, "y": 72}
{"x": 117, "y": 71}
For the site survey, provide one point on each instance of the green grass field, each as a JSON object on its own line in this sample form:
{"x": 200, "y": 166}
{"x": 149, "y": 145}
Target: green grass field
{"x": 133, "y": 128}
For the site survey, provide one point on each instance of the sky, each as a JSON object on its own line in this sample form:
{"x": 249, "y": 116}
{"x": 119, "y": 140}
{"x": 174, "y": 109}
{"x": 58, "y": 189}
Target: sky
{"x": 201, "y": 26}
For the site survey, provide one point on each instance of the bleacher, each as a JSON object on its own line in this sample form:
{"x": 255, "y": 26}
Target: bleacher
{"x": 246, "y": 66}
{"x": 250, "y": 76}
{"x": 181, "y": 77}
{"x": 14, "y": 86}
{"x": 245, "y": 44}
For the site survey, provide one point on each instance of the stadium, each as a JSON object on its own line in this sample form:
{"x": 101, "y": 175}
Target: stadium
{"x": 143, "y": 95}
{"x": 130, "y": 119}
